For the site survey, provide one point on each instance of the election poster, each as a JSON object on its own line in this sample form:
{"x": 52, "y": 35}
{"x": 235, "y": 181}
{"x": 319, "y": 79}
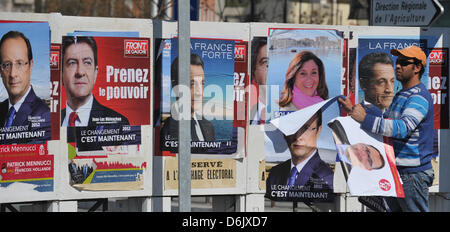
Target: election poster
{"x": 258, "y": 72}
{"x": 205, "y": 173}
{"x": 438, "y": 86}
{"x": 105, "y": 99}
{"x": 29, "y": 120}
{"x": 305, "y": 67}
{"x": 241, "y": 84}
{"x": 217, "y": 86}
{"x": 367, "y": 159}
{"x": 304, "y": 170}
{"x": 119, "y": 80}
{"x": 110, "y": 173}
{"x": 434, "y": 77}
{"x": 26, "y": 167}
{"x": 27, "y": 107}
{"x": 305, "y": 70}
{"x": 55, "y": 85}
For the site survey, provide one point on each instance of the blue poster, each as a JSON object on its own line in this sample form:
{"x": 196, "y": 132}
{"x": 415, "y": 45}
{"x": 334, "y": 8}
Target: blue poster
{"x": 383, "y": 46}
{"x": 288, "y": 49}
{"x": 211, "y": 89}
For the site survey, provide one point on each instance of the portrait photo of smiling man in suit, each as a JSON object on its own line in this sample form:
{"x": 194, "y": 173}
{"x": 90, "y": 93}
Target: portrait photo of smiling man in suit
{"x": 23, "y": 107}
{"x": 80, "y": 69}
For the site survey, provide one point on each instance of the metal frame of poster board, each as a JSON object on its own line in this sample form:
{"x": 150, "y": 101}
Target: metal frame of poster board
{"x": 257, "y": 165}
{"x": 442, "y": 174}
{"x": 203, "y": 30}
{"x": 53, "y": 145}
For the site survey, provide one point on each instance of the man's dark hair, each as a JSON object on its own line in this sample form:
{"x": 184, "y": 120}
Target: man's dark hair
{"x": 419, "y": 63}
{"x": 17, "y": 34}
{"x": 317, "y": 115}
{"x": 365, "y": 68}
{"x": 257, "y": 44}
{"x": 195, "y": 60}
{"x": 69, "y": 40}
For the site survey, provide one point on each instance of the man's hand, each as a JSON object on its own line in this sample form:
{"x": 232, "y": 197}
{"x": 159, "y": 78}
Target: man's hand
{"x": 346, "y": 103}
{"x": 357, "y": 112}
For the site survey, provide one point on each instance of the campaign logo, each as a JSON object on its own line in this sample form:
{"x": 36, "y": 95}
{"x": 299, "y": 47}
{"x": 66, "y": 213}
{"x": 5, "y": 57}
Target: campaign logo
{"x": 239, "y": 52}
{"x": 167, "y": 46}
{"x": 136, "y": 48}
{"x": 54, "y": 60}
{"x": 438, "y": 57}
{"x": 384, "y": 185}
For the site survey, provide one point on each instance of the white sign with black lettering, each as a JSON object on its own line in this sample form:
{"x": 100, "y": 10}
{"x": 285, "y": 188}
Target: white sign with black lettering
{"x": 405, "y": 13}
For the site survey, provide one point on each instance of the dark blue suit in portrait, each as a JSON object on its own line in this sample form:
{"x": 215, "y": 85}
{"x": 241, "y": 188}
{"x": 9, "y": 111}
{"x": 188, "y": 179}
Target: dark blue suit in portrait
{"x": 33, "y": 115}
{"x": 100, "y": 111}
{"x": 315, "y": 177}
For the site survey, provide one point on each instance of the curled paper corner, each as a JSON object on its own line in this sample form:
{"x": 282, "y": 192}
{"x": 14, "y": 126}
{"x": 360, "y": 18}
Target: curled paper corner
{"x": 291, "y": 123}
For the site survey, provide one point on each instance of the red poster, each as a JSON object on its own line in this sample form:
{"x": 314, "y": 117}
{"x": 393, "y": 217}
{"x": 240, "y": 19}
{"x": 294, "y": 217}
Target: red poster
{"x": 122, "y": 81}
{"x": 31, "y": 168}
{"x": 55, "y": 83}
{"x": 438, "y": 86}
{"x": 240, "y": 83}
{"x": 18, "y": 150}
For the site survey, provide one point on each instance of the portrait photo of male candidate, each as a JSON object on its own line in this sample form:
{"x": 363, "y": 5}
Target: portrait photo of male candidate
{"x": 376, "y": 79}
{"x": 80, "y": 69}
{"x": 367, "y": 167}
{"x": 259, "y": 65}
{"x": 23, "y": 107}
{"x": 305, "y": 171}
{"x": 201, "y": 128}
{"x": 363, "y": 155}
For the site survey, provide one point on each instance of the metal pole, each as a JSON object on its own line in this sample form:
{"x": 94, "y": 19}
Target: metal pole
{"x": 184, "y": 138}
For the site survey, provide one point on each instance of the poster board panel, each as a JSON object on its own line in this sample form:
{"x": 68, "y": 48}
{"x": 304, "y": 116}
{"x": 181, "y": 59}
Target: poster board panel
{"x": 202, "y": 31}
{"x": 28, "y": 170}
{"x": 124, "y": 171}
{"x": 433, "y": 42}
{"x": 258, "y": 35}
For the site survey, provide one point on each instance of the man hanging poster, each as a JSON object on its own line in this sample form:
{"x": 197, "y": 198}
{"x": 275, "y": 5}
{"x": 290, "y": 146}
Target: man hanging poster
{"x": 377, "y": 88}
{"x": 374, "y": 54}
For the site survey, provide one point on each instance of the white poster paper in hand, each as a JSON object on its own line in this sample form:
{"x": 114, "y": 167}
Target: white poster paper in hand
{"x": 368, "y": 159}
